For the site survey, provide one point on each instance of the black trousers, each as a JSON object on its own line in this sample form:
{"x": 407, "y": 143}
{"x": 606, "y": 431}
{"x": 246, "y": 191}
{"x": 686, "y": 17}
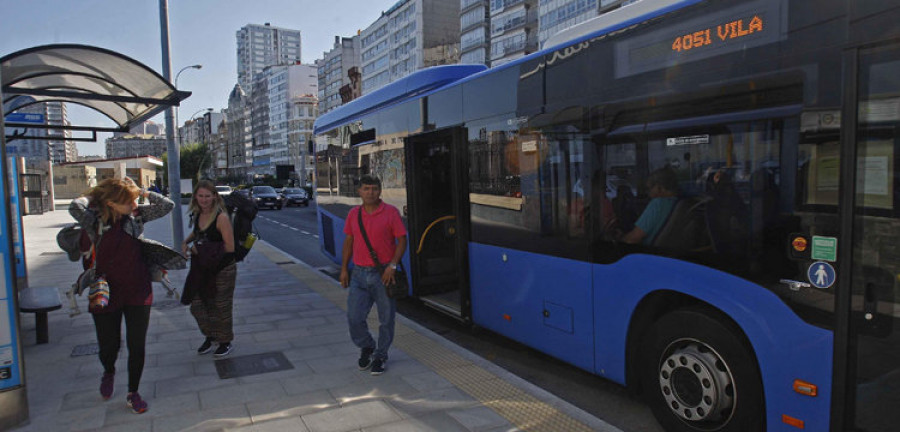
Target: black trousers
{"x": 109, "y": 338}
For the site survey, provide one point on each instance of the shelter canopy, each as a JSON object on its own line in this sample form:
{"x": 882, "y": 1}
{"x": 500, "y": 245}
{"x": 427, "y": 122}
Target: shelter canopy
{"x": 126, "y": 91}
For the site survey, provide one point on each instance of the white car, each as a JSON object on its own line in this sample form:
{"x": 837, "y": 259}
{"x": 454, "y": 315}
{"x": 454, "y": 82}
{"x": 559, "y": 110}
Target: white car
{"x": 224, "y": 190}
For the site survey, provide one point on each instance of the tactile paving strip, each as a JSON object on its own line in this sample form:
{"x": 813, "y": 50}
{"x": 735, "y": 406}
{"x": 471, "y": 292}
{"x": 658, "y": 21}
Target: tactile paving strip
{"x": 520, "y": 408}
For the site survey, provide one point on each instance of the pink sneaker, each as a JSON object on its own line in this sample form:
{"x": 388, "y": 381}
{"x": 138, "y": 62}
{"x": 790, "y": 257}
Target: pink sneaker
{"x": 106, "y": 384}
{"x": 134, "y": 401}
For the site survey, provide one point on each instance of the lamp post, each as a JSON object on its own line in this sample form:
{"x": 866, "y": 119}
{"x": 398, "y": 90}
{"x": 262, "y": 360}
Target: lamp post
{"x": 175, "y": 83}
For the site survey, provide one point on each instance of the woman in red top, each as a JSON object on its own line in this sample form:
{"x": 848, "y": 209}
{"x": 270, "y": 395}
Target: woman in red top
{"x": 110, "y": 210}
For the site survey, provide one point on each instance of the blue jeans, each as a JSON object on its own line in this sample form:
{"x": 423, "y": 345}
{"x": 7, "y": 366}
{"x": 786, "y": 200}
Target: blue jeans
{"x": 365, "y": 289}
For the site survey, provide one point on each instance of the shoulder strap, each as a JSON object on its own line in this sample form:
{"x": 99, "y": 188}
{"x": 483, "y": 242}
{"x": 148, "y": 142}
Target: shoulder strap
{"x": 365, "y": 237}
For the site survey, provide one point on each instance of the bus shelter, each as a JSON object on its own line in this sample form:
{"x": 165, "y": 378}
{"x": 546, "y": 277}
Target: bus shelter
{"x": 127, "y": 92}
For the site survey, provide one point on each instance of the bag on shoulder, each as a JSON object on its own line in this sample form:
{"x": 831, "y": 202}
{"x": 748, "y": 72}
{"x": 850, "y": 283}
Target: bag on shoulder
{"x": 400, "y": 287}
{"x": 242, "y": 211}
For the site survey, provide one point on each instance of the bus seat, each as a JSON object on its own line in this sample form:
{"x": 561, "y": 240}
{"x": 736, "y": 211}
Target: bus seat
{"x": 685, "y": 229}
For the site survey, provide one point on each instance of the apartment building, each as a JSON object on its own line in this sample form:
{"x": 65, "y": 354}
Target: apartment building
{"x": 259, "y": 46}
{"x": 411, "y": 35}
{"x": 335, "y": 69}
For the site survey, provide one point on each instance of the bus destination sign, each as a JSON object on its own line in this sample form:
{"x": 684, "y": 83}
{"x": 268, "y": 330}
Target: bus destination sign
{"x": 722, "y": 32}
{"x": 748, "y": 25}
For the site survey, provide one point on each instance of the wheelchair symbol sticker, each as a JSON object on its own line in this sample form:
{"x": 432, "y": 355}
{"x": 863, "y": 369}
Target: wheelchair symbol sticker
{"x": 821, "y": 274}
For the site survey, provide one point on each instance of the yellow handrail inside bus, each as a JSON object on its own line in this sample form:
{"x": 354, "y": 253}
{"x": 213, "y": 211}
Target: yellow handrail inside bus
{"x": 431, "y": 225}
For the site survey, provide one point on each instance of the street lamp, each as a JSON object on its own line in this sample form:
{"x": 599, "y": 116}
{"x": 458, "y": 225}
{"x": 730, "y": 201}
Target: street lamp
{"x": 175, "y": 83}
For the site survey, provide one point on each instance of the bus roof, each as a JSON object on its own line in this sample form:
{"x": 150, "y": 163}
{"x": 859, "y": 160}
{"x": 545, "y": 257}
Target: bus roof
{"x": 398, "y": 91}
{"x": 430, "y": 80}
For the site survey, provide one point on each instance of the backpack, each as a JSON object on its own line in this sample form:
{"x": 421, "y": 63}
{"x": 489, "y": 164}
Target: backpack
{"x": 242, "y": 211}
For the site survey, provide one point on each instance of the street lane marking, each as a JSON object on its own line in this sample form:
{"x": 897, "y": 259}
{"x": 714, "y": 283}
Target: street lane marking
{"x": 305, "y": 232}
{"x": 295, "y": 229}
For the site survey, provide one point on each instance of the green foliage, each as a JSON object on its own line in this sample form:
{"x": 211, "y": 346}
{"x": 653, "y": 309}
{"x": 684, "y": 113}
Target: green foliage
{"x": 195, "y": 158}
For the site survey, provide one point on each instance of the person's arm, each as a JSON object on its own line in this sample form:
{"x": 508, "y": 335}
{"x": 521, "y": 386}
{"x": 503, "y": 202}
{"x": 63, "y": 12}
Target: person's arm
{"x": 187, "y": 241}
{"x": 158, "y": 207}
{"x": 634, "y": 236}
{"x": 224, "y": 227}
{"x": 346, "y": 253}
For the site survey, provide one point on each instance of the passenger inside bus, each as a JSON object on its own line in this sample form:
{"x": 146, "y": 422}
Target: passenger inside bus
{"x": 662, "y": 185}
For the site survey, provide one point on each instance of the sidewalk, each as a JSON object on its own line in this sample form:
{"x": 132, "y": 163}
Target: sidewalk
{"x": 288, "y": 318}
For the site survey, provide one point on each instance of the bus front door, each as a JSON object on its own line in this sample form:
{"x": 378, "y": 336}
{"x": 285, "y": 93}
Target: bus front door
{"x": 871, "y": 363}
{"x": 438, "y": 219}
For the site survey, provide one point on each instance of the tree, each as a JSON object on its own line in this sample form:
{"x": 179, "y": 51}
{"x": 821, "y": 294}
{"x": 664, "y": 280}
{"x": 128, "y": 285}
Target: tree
{"x": 195, "y": 158}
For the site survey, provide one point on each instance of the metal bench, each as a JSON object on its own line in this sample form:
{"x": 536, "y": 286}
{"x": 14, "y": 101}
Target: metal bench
{"x": 39, "y": 301}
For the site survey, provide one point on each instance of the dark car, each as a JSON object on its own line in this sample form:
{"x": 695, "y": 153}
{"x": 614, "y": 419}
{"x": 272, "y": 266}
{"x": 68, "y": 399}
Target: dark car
{"x": 266, "y": 197}
{"x": 295, "y": 196}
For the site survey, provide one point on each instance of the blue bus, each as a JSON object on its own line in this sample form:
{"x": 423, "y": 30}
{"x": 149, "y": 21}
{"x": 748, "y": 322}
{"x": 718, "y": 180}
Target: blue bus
{"x": 698, "y": 200}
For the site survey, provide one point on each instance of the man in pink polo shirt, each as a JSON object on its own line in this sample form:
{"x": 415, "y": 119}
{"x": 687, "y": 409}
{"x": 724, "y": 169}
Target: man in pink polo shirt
{"x": 387, "y": 235}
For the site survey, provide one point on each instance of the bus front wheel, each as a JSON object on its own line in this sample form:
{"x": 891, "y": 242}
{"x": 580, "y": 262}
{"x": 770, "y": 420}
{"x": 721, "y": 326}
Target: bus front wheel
{"x": 697, "y": 375}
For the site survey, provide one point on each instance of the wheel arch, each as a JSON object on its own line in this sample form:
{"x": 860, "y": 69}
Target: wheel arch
{"x": 659, "y": 303}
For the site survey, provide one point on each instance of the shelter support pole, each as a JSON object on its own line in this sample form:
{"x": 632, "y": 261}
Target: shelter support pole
{"x": 174, "y": 171}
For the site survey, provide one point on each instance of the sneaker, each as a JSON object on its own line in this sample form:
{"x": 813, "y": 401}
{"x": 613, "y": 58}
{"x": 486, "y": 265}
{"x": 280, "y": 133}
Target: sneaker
{"x": 106, "y": 384}
{"x": 206, "y": 347}
{"x": 365, "y": 358}
{"x": 378, "y": 366}
{"x": 134, "y": 401}
{"x": 224, "y": 349}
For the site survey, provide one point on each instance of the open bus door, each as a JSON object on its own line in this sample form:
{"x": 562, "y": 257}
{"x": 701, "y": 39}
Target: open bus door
{"x": 438, "y": 219}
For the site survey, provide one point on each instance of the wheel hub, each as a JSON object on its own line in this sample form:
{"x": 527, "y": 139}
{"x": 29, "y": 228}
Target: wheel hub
{"x": 696, "y": 383}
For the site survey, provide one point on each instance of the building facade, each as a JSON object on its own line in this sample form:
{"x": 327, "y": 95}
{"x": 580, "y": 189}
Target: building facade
{"x": 475, "y": 32}
{"x": 283, "y": 84}
{"x": 514, "y": 30}
{"x": 239, "y": 137}
{"x": 259, "y": 46}
{"x": 48, "y": 144}
{"x": 557, "y": 15}
{"x": 411, "y": 35}
{"x": 334, "y": 71}
{"x": 300, "y": 135}
{"x": 128, "y": 146}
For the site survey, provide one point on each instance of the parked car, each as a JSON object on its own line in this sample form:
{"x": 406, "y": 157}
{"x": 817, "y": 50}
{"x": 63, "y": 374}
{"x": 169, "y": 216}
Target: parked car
{"x": 295, "y": 196}
{"x": 266, "y": 197}
{"x": 224, "y": 190}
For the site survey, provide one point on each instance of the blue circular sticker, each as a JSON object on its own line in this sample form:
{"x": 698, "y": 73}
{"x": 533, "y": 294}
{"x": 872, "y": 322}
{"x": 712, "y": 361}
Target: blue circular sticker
{"x": 821, "y": 274}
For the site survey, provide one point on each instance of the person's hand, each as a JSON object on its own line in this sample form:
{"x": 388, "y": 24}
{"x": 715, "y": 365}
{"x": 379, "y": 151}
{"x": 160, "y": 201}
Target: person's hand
{"x": 184, "y": 249}
{"x": 344, "y": 278}
{"x": 388, "y": 276}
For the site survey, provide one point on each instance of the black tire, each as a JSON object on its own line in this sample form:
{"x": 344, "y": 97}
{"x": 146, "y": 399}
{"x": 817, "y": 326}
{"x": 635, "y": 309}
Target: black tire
{"x": 698, "y": 374}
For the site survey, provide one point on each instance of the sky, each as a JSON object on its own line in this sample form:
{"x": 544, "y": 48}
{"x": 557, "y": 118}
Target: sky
{"x": 200, "y": 32}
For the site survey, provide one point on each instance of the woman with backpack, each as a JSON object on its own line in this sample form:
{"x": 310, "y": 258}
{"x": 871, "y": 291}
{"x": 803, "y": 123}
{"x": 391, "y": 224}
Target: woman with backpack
{"x": 112, "y": 224}
{"x": 209, "y": 287}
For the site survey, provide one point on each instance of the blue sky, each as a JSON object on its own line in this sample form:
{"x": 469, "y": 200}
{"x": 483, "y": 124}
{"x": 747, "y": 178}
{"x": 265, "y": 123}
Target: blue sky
{"x": 200, "y": 31}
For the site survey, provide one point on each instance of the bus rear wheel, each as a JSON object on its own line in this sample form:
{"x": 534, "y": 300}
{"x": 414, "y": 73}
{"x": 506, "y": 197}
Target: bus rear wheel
{"x": 697, "y": 375}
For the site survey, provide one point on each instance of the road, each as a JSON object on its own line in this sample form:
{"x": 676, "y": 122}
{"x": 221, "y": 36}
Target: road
{"x": 294, "y": 231}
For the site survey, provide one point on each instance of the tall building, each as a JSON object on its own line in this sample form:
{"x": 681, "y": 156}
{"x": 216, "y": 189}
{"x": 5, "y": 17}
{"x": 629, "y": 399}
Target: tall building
{"x": 259, "y": 46}
{"x": 334, "y": 70}
{"x": 62, "y": 148}
{"x": 557, "y": 15}
{"x": 53, "y": 145}
{"x": 475, "y": 32}
{"x": 239, "y": 137}
{"x": 514, "y": 25}
{"x": 283, "y": 84}
{"x": 411, "y": 35}
{"x": 126, "y": 146}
